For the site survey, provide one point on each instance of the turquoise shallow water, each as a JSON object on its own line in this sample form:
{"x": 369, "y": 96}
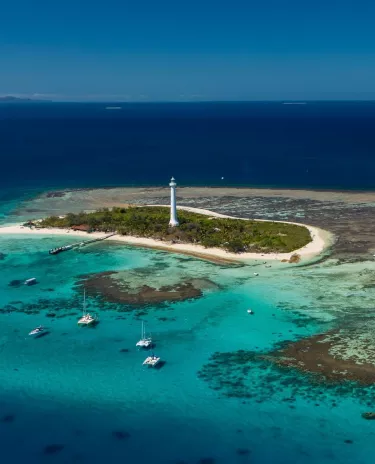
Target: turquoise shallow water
{"x": 78, "y": 391}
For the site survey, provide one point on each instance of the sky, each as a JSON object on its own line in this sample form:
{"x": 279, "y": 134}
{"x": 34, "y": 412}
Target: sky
{"x": 164, "y": 50}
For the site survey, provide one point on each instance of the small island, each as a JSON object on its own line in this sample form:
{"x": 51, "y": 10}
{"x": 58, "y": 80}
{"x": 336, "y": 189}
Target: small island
{"x": 13, "y": 99}
{"x": 231, "y": 235}
{"x": 192, "y": 231}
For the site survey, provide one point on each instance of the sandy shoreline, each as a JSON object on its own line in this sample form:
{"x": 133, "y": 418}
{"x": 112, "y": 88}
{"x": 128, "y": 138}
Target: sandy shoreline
{"x": 321, "y": 240}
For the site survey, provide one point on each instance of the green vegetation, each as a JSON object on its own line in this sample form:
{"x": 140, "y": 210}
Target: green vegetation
{"x": 234, "y": 235}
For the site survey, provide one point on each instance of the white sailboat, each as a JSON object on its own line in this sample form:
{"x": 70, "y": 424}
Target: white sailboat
{"x": 37, "y": 330}
{"x": 86, "y": 318}
{"x": 144, "y": 342}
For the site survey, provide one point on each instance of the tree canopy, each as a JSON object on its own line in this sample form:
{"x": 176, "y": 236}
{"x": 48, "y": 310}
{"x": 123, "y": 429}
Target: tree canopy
{"x": 234, "y": 235}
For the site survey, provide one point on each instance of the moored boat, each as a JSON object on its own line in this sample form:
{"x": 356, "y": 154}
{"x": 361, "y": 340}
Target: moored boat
{"x": 151, "y": 361}
{"x": 37, "y": 330}
{"x": 87, "y": 318}
{"x": 144, "y": 342}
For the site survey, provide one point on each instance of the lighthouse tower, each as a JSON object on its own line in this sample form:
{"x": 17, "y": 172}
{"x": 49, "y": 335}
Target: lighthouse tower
{"x": 173, "y": 221}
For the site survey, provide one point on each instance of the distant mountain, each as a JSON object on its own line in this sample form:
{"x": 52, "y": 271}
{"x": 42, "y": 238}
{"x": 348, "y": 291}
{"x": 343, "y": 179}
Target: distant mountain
{"x": 11, "y": 99}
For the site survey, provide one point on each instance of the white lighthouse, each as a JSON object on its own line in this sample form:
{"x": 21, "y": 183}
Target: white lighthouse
{"x": 173, "y": 221}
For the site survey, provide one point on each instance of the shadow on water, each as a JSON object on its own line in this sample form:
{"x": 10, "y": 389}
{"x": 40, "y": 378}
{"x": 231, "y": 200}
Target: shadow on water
{"x": 42, "y": 334}
{"x": 16, "y": 283}
{"x": 160, "y": 365}
{"x": 91, "y": 326}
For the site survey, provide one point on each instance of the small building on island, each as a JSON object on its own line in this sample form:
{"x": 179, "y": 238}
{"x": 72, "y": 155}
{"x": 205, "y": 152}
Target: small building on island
{"x": 82, "y": 228}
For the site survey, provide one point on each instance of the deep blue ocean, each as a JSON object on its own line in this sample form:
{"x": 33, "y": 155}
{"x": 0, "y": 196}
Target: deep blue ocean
{"x": 318, "y": 145}
{"x": 83, "y": 396}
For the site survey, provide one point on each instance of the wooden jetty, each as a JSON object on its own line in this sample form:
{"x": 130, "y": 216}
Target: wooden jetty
{"x": 55, "y": 251}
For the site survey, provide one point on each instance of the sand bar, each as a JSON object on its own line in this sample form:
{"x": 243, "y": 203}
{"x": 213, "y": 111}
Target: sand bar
{"x": 115, "y": 196}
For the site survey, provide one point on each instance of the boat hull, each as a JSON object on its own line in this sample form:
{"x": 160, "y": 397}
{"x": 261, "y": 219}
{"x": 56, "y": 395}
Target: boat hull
{"x": 151, "y": 361}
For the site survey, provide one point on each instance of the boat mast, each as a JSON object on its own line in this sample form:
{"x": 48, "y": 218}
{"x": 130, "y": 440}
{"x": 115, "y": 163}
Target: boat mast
{"x": 84, "y": 301}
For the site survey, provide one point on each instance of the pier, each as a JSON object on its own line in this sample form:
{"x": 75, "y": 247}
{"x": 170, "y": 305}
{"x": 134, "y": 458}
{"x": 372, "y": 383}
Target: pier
{"x": 55, "y": 251}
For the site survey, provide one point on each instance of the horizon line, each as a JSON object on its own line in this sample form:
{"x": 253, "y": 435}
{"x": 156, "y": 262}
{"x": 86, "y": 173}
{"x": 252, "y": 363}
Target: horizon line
{"x": 166, "y": 101}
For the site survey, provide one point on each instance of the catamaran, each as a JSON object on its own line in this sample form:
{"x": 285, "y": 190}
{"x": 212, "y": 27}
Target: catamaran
{"x": 144, "y": 342}
{"x": 37, "y": 330}
{"x": 151, "y": 361}
{"x": 86, "y": 318}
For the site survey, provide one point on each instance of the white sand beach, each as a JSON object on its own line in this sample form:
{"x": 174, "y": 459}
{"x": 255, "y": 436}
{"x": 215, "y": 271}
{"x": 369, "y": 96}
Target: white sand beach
{"x": 321, "y": 241}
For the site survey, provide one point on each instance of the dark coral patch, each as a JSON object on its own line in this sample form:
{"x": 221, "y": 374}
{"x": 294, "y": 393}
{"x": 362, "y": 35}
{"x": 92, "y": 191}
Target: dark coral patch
{"x": 243, "y": 451}
{"x": 234, "y": 374}
{"x": 53, "y": 449}
{"x": 120, "y": 435}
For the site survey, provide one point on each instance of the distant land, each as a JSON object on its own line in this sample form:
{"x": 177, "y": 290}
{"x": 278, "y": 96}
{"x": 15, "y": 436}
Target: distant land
{"x": 11, "y": 99}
